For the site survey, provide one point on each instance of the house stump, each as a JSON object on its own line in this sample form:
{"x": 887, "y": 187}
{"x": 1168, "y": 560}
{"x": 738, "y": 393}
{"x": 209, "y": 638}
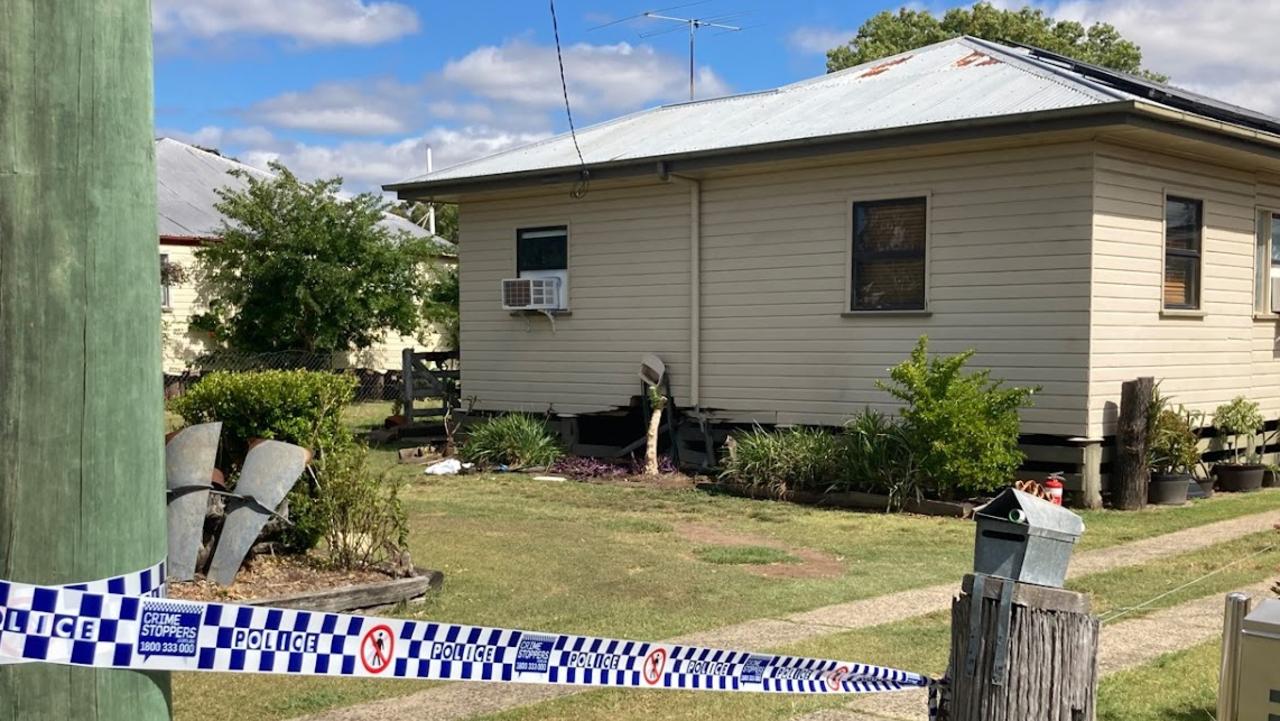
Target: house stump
{"x": 1035, "y": 659}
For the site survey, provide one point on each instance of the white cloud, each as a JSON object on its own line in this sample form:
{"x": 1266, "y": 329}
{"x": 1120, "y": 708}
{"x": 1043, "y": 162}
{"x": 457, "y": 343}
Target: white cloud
{"x": 601, "y": 78}
{"x": 211, "y": 136}
{"x": 367, "y": 165}
{"x": 1216, "y": 49}
{"x": 816, "y": 40}
{"x": 515, "y": 87}
{"x": 357, "y": 22}
{"x": 366, "y": 108}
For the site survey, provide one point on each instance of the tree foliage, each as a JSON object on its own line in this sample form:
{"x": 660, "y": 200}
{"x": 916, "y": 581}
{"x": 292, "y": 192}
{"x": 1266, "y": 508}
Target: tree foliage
{"x": 299, "y": 268}
{"x": 963, "y": 425}
{"x": 887, "y": 33}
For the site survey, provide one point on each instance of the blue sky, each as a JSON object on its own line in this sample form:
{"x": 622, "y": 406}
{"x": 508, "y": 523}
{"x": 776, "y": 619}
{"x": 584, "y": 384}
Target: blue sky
{"x": 359, "y": 88}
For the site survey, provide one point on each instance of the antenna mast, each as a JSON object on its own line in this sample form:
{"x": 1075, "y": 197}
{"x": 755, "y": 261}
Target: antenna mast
{"x": 694, "y": 24}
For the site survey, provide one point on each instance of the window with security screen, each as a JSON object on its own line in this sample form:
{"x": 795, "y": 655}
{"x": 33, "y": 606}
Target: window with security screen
{"x": 542, "y": 249}
{"x": 889, "y": 254}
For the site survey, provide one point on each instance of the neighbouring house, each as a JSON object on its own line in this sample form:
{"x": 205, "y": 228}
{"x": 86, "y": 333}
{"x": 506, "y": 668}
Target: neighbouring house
{"x": 187, "y": 180}
{"x": 779, "y": 250}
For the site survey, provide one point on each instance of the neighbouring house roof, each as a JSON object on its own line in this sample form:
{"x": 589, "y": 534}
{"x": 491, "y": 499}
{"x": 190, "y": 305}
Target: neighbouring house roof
{"x": 962, "y": 79}
{"x": 187, "y": 179}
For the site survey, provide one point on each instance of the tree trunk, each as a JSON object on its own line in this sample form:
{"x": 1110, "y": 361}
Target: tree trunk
{"x": 659, "y": 402}
{"x": 1129, "y": 471}
{"x": 81, "y": 414}
{"x": 1049, "y": 656}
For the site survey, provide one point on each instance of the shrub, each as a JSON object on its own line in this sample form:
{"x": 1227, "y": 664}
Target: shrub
{"x": 1174, "y": 446}
{"x": 963, "y": 427}
{"x": 515, "y": 440}
{"x": 879, "y": 458}
{"x": 780, "y": 461}
{"x": 358, "y": 512}
{"x": 299, "y": 407}
{"x": 1240, "y": 417}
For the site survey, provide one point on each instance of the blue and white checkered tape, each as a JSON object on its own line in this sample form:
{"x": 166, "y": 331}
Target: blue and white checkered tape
{"x": 125, "y": 624}
{"x": 149, "y": 582}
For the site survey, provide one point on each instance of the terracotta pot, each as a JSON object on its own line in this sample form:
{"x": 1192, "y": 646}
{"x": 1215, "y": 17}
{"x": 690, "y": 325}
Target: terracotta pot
{"x": 1168, "y": 489}
{"x": 1239, "y": 477}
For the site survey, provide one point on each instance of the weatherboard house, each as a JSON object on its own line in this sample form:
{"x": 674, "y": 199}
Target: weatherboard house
{"x": 779, "y": 250}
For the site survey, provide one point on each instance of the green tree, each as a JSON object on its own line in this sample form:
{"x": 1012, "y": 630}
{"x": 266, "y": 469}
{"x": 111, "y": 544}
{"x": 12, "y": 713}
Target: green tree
{"x": 299, "y": 268}
{"x": 440, "y": 305}
{"x": 886, "y": 34}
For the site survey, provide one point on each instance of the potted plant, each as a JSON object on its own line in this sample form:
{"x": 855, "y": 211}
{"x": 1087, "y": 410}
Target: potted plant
{"x": 1236, "y": 420}
{"x": 1174, "y": 453}
{"x": 1271, "y": 476}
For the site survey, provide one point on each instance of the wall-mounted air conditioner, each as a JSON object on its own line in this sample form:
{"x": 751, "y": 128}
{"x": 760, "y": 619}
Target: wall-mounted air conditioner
{"x": 540, "y": 294}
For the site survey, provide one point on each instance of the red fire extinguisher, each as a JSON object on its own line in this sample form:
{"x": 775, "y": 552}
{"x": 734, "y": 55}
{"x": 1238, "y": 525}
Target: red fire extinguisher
{"x": 1054, "y": 485}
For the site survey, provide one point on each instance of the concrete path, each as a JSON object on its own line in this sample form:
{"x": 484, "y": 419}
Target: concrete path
{"x": 461, "y": 700}
{"x": 1123, "y": 645}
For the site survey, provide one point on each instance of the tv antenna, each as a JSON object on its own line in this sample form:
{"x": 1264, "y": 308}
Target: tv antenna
{"x": 694, "y": 25}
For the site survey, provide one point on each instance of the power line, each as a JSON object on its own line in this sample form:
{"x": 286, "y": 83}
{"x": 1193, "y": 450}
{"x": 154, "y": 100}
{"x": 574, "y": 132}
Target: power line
{"x": 580, "y": 189}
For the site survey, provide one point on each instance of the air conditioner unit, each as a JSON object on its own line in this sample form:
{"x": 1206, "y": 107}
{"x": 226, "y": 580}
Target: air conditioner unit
{"x": 531, "y": 294}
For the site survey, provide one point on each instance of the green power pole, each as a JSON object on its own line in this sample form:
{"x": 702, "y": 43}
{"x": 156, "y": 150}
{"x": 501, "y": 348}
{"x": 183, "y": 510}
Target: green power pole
{"x": 81, "y": 414}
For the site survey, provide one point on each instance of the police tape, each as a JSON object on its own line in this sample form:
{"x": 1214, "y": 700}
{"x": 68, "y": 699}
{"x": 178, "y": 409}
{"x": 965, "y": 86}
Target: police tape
{"x": 124, "y": 623}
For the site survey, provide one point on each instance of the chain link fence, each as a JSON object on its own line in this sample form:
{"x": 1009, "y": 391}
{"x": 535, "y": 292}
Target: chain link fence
{"x": 371, "y": 384}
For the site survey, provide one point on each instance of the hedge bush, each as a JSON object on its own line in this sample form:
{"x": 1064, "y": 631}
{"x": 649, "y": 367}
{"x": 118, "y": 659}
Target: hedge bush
{"x": 299, "y": 407}
{"x": 963, "y": 426}
{"x": 295, "y": 406}
{"x": 956, "y": 435}
{"x": 514, "y": 440}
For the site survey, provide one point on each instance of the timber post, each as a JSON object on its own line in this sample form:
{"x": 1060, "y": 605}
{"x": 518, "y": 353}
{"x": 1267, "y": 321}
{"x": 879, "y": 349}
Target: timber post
{"x": 1020, "y": 651}
{"x": 1130, "y": 473}
{"x": 82, "y": 490}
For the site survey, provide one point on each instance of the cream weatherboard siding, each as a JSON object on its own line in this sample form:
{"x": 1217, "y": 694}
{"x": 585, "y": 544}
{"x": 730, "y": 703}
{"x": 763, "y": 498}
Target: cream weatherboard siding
{"x": 628, "y": 295}
{"x": 1009, "y": 273}
{"x": 1201, "y": 360}
{"x": 179, "y": 345}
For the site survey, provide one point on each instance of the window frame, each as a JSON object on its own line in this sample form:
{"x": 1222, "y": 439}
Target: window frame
{"x": 165, "y": 296}
{"x": 544, "y": 225}
{"x": 1197, "y": 308}
{"x": 848, "y": 308}
{"x": 1265, "y": 219}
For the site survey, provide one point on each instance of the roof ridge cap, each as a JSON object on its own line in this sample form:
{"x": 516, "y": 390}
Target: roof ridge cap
{"x": 1047, "y": 71}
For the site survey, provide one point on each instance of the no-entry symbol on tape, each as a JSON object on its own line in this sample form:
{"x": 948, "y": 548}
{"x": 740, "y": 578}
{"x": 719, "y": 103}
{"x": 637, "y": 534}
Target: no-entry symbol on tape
{"x": 377, "y": 648}
{"x": 654, "y": 664}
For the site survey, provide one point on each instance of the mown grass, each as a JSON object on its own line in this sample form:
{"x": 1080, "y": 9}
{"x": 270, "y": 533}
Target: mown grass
{"x": 921, "y": 645}
{"x": 1180, "y": 686}
{"x": 611, "y": 560}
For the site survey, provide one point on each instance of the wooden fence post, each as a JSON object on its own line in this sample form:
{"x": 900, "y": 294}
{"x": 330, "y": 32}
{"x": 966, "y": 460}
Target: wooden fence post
{"x": 1031, "y": 652}
{"x": 1129, "y": 471}
{"x": 82, "y": 487}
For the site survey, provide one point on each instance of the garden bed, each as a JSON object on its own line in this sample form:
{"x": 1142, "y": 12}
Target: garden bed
{"x": 848, "y": 499}
{"x": 303, "y": 583}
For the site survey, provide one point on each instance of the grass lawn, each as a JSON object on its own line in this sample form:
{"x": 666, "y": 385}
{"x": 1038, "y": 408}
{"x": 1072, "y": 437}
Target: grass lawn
{"x": 639, "y": 562}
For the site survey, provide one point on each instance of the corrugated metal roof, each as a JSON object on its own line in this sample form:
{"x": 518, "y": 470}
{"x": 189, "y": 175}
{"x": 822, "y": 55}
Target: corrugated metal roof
{"x": 959, "y": 79}
{"x": 186, "y": 182}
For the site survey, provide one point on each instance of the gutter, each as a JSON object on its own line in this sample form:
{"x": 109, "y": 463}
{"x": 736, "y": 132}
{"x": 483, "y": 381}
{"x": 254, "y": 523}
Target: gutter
{"x": 695, "y": 280}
